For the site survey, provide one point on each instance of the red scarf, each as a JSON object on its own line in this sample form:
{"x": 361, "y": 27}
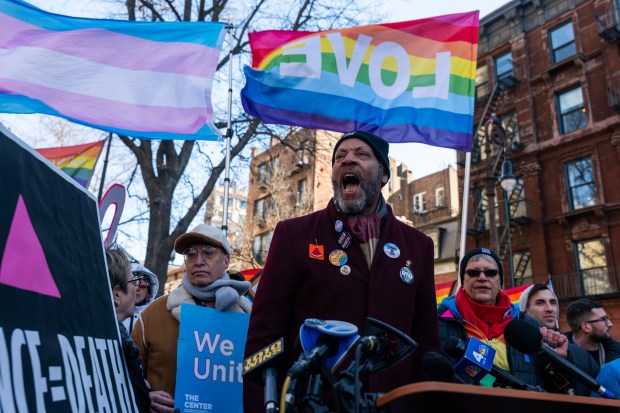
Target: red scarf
{"x": 488, "y": 318}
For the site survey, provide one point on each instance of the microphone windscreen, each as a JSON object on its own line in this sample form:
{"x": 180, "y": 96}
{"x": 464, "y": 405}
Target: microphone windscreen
{"x": 438, "y": 367}
{"x": 455, "y": 347}
{"x": 523, "y": 336}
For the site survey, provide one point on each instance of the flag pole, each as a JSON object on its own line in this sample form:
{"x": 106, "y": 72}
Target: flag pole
{"x": 464, "y": 215}
{"x": 105, "y": 167}
{"x": 229, "y": 132}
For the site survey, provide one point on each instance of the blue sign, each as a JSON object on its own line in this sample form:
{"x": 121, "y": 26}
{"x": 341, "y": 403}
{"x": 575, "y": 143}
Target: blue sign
{"x": 210, "y": 360}
{"x": 477, "y": 360}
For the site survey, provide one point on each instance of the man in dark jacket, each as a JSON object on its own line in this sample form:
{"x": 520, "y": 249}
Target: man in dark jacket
{"x": 540, "y": 302}
{"x": 591, "y": 330}
{"x": 347, "y": 262}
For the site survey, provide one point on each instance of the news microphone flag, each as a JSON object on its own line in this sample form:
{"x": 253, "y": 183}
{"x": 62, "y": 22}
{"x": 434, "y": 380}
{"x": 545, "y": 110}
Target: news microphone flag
{"x": 148, "y": 80}
{"x": 339, "y": 335}
{"x": 410, "y": 81}
{"x": 477, "y": 360}
{"x": 263, "y": 356}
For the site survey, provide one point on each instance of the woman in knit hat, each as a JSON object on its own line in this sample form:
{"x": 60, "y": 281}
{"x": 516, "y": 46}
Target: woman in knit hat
{"x": 482, "y": 310}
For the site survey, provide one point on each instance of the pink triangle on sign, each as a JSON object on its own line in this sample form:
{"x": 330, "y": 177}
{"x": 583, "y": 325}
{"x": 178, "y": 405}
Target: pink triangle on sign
{"x": 24, "y": 265}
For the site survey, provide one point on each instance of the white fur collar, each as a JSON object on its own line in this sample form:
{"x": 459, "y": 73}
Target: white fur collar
{"x": 180, "y": 295}
{"x": 177, "y": 297}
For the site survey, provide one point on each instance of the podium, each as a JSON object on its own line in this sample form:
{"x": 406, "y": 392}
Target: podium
{"x": 461, "y": 398}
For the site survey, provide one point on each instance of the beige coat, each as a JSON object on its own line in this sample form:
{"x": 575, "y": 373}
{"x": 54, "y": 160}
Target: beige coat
{"x": 156, "y": 333}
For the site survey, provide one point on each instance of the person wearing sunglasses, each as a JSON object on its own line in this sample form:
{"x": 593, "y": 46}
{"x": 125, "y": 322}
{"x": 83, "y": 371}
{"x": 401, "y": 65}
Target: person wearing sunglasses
{"x": 205, "y": 282}
{"x": 482, "y": 310}
{"x": 146, "y": 291}
{"x": 591, "y": 330}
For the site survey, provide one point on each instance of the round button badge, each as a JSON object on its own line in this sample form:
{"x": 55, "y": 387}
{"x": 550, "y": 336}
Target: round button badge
{"x": 406, "y": 275}
{"x": 338, "y": 258}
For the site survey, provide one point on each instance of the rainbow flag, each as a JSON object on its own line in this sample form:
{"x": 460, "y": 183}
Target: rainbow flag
{"x": 76, "y": 161}
{"x": 406, "y": 82}
{"x": 515, "y": 292}
{"x": 142, "y": 79}
{"x": 443, "y": 290}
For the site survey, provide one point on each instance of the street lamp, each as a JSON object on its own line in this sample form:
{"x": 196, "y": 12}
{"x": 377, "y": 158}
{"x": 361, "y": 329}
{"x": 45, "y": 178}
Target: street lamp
{"x": 508, "y": 181}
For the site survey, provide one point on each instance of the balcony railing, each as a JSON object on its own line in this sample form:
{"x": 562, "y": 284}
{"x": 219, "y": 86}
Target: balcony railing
{"x": 432, "y": 215}
{"x": 594, "y": 282}
{"x": 607, "y": 24}
{"x": 613, "y": 96}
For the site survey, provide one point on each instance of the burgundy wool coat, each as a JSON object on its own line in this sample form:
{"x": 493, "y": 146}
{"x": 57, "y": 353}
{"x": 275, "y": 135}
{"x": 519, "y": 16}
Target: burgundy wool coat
{"x": 295, "y": 286}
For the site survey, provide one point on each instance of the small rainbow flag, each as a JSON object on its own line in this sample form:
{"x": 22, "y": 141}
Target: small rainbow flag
{"x": 76, "y": 161}
{"x": 406, "y": 82}
{"x": 443, "y": 290}
{"x": 515, "y": 292}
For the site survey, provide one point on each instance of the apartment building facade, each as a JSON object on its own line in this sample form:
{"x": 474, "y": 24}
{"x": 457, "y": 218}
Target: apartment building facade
{"x": 550, "y": 70}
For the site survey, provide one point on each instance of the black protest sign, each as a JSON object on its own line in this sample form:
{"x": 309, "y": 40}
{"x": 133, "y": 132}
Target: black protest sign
{"x": 59, "y": 342}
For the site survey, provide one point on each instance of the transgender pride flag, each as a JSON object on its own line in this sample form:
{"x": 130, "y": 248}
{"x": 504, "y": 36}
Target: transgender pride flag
{"x": 141, "y": 79}
{"x": 406, "y": 82}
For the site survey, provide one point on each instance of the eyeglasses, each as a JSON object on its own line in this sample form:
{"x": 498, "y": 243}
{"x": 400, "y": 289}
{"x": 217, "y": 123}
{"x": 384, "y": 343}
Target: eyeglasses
{"x": 605, "y": 319}
{"x": 138, "y": 282}
{"x": 206, "y": 252}
{"x": 141, "y": 279}
{"x": 487, "y": 273}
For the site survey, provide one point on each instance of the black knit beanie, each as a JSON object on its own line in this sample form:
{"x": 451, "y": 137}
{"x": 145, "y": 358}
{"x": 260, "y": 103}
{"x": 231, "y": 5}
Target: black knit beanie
{"x": 379, "y": 147}
{"x": 484, "y": 251}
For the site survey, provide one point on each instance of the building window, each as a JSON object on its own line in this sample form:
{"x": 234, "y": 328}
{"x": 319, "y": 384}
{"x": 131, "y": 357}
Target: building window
{"x": 580, "y": 183}
{"x": 434, "y": 235}
{"x": 303, "y": 154}
{"x": 263, "y": 172}
{"x": 571, "y": 110}
{"x": 260, "y": 246}
{"x": 592, "y": 267}
{"x": 562, "y": 40}
{"x": 511, "y": 126}
{"x": 261, "y": 206}
{"x": 266, "y": 170}
{"x": 522, "y": 267}
{"x": 440, "y": 199}
{"x": 301, "y": 191}
{"x": 418, "y": 203}
{"x": 482, "y": 82}
{"x": 243, "y": 204}
{"x": 503, "y": 66}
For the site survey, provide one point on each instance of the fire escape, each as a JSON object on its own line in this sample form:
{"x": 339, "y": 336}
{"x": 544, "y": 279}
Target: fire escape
{"x": 493, "y": 154}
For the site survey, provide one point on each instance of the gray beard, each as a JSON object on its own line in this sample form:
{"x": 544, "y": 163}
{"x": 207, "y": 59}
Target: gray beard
{"x": 371, "y": 191}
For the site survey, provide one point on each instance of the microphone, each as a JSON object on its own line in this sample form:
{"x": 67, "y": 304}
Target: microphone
{"x": 456, "y": 348}
{"x": 527, "y": 339}
{"x": 475, "y": 358}
{"x": 323, "y": 341}
{"x": 265, "y": 358}
{"x": 439, "y": 368}
{"x": 383, "y": 345}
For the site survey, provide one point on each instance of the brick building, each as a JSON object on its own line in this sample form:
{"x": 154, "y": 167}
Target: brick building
{"x": 550, "y": 69}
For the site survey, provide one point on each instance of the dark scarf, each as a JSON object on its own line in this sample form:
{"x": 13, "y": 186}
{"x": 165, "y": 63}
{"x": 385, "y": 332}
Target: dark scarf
{"x": 366, "y": 229}
{"x": 490, "y": 319}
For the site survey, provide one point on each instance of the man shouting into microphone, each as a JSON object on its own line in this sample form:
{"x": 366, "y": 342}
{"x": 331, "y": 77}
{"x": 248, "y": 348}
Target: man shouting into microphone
{"x": 347, "y": 262}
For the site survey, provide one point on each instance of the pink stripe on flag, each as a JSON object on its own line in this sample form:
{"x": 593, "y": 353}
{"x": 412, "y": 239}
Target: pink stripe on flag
{"x": 100, "y": 45}
{"x": 460, "y": 20}
{"x": 116, "y": 114}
